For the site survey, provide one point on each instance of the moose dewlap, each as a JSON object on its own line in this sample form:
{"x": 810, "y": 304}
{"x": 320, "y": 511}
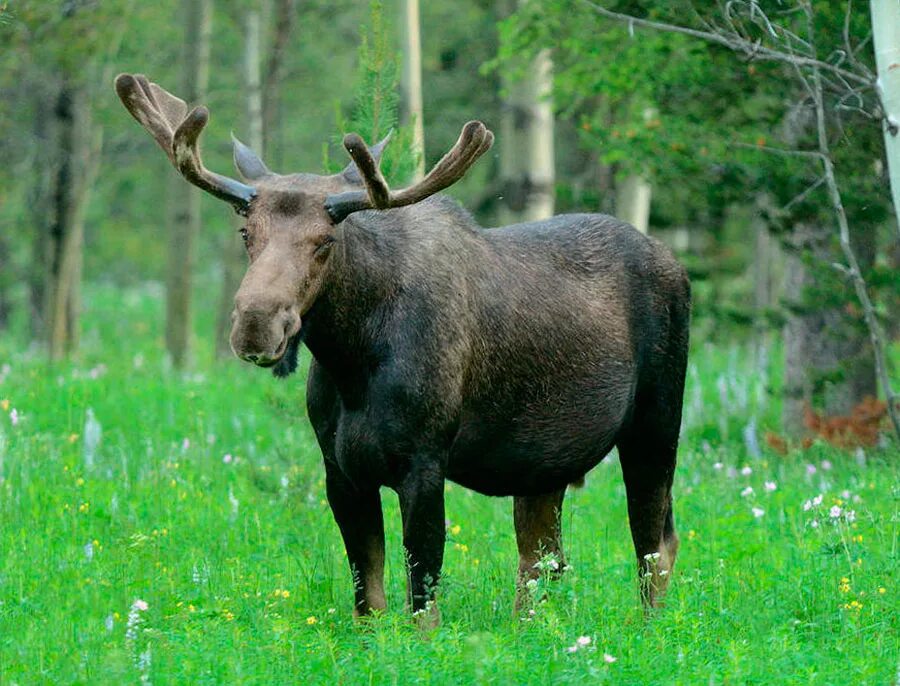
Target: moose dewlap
{"x": 509, "y": 360}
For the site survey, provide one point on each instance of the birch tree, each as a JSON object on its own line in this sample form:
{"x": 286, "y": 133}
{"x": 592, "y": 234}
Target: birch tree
{"x": 526, "y": 152}
{"x": 411, "y": 83}
{"x": 886, "y": 40}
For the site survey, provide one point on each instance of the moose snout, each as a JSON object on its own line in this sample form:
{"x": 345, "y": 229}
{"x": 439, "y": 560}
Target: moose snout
{"x": 260, "y": 331}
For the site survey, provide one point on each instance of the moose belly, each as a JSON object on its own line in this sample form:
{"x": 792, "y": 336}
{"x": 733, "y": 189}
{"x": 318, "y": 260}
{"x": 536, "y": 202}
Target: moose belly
{"x": 537, "y": 451}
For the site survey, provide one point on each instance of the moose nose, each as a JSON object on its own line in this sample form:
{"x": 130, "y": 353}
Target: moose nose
{"x": 260, "y": 333}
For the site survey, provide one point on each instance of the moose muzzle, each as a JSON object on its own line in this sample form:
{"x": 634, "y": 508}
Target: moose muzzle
{"x": 261, "y": 330}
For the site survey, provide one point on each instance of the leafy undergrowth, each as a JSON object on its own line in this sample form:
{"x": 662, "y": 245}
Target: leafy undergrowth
{"x": 193, "y": 543}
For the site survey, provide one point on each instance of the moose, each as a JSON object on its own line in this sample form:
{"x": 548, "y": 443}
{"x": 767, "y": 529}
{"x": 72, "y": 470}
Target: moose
{"x": 508, "y": 360}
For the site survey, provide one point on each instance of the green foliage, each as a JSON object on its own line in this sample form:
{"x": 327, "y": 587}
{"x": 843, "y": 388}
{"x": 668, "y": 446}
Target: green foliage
{"x": 244, "y": 574}
{"x": 376, "y": 105}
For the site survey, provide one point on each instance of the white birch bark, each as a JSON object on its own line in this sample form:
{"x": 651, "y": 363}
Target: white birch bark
{"x": 633, "y": 202}
{"x": 412, "y": 81}
{"x": 527, "y": 164}
{"x": 886, "y": 41}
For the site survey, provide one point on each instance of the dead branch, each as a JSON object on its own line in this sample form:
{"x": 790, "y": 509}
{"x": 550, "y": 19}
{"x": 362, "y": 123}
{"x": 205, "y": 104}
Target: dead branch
{"x": 876, "y": 333}
{"x": 735, "y": 42}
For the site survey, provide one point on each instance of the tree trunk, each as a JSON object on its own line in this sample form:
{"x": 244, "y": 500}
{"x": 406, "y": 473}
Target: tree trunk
{"x": 185, "y": 224}
{"x": 526, "y": 155}
{"x": 886, "y": 41}
{"x": 5, "y": 281}
{"x": 234, "y": 255}
{"x": 633, "y": 202}
{"x": 40, "y": 200}
{"x": 828, "y": 364}
{"x": 762, "y": 281}
{"x": 62, "y": 297}
{"x": 285, "y": 20}
{"x": 412, "y": 82}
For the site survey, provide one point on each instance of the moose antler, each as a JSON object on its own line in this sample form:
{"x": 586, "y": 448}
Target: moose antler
{"x": 177, "y": 131}
{"x": 473, "y": 142}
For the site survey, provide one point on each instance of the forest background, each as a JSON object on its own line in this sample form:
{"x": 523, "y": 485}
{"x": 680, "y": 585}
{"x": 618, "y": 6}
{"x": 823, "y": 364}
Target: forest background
{"x": 759, "y": 140}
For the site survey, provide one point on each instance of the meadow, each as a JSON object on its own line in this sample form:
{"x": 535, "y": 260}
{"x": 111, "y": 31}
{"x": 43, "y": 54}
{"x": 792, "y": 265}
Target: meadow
{"x": 169, "y": 528}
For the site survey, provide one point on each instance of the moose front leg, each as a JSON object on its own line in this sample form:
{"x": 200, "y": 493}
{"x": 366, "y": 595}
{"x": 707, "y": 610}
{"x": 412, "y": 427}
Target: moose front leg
{"x": 421, "y": 496}
{"x": 358, "y": 516}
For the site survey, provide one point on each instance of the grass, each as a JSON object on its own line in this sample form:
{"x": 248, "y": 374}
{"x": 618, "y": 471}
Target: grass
{"x": 245, "y": 580}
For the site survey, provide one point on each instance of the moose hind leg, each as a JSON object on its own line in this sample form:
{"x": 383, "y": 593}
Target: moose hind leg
{"x": 648, "y": 466}
{"x": 538, "y": 522}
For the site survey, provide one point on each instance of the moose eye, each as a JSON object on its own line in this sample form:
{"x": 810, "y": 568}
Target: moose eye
{"x": 322, "y": 248}
{"x": 245, "y": 235}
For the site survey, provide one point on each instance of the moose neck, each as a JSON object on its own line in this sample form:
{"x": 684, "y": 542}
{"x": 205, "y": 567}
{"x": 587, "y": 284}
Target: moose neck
{"x": 341, "y": 327}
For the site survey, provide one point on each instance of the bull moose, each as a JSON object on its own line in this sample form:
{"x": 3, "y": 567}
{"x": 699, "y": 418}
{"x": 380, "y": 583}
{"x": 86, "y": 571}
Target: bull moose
{"x": 509, "y": 360}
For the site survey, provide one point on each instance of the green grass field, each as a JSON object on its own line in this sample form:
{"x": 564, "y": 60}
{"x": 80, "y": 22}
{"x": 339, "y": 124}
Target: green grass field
{"x": 198, "y": 548}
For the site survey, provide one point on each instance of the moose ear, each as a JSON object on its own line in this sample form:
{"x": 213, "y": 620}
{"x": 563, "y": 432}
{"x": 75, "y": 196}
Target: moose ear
{"x": 247, "y": 161}
{"x": 351, "y": 172}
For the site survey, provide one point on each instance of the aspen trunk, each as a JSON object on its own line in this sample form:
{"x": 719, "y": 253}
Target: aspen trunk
{"x": 234, "y": 257}
{"x": 633, "y": 202}
{"x": 886, "y": 41}
{"x": 526, "y": 155}
{"x": 185, "y": 223}
{"x": 412, "y": 82}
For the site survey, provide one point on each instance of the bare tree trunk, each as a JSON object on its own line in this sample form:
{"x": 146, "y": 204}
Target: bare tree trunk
{"x": 762, "y": 280}
{"x": 234, "y": 256}
{"x": 412, "y": 82}
{"x": 886, "y": 41}
{"x": 633, "y": 202}
{"x": 66, "y": 236}
{"x": 5, "y": 281}
{"x": 285, "y": 20}
{"x": 185, "y": 225}
{"x": 526, "y": 155}
{"x": 46, "y": 161}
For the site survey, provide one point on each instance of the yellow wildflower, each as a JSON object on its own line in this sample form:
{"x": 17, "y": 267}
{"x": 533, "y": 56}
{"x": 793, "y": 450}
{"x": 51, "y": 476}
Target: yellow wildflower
{"x": 311, "y": 620}
{"x": 692, "y": 535}
{"x": 455, "y": 529}
{"x": 79, "y": 481}
{"x": 4, "y": 404}
{"x": 73, "y": 438}
{"x": 882, "y": 590}
{"x": 84, "y": 507}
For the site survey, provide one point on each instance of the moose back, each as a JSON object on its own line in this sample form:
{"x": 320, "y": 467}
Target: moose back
{"x": 508, "y": 360}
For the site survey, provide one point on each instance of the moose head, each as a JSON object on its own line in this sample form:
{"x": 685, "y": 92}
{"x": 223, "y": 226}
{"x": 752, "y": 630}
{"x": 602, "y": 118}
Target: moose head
{"x": 292, "y": 220}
